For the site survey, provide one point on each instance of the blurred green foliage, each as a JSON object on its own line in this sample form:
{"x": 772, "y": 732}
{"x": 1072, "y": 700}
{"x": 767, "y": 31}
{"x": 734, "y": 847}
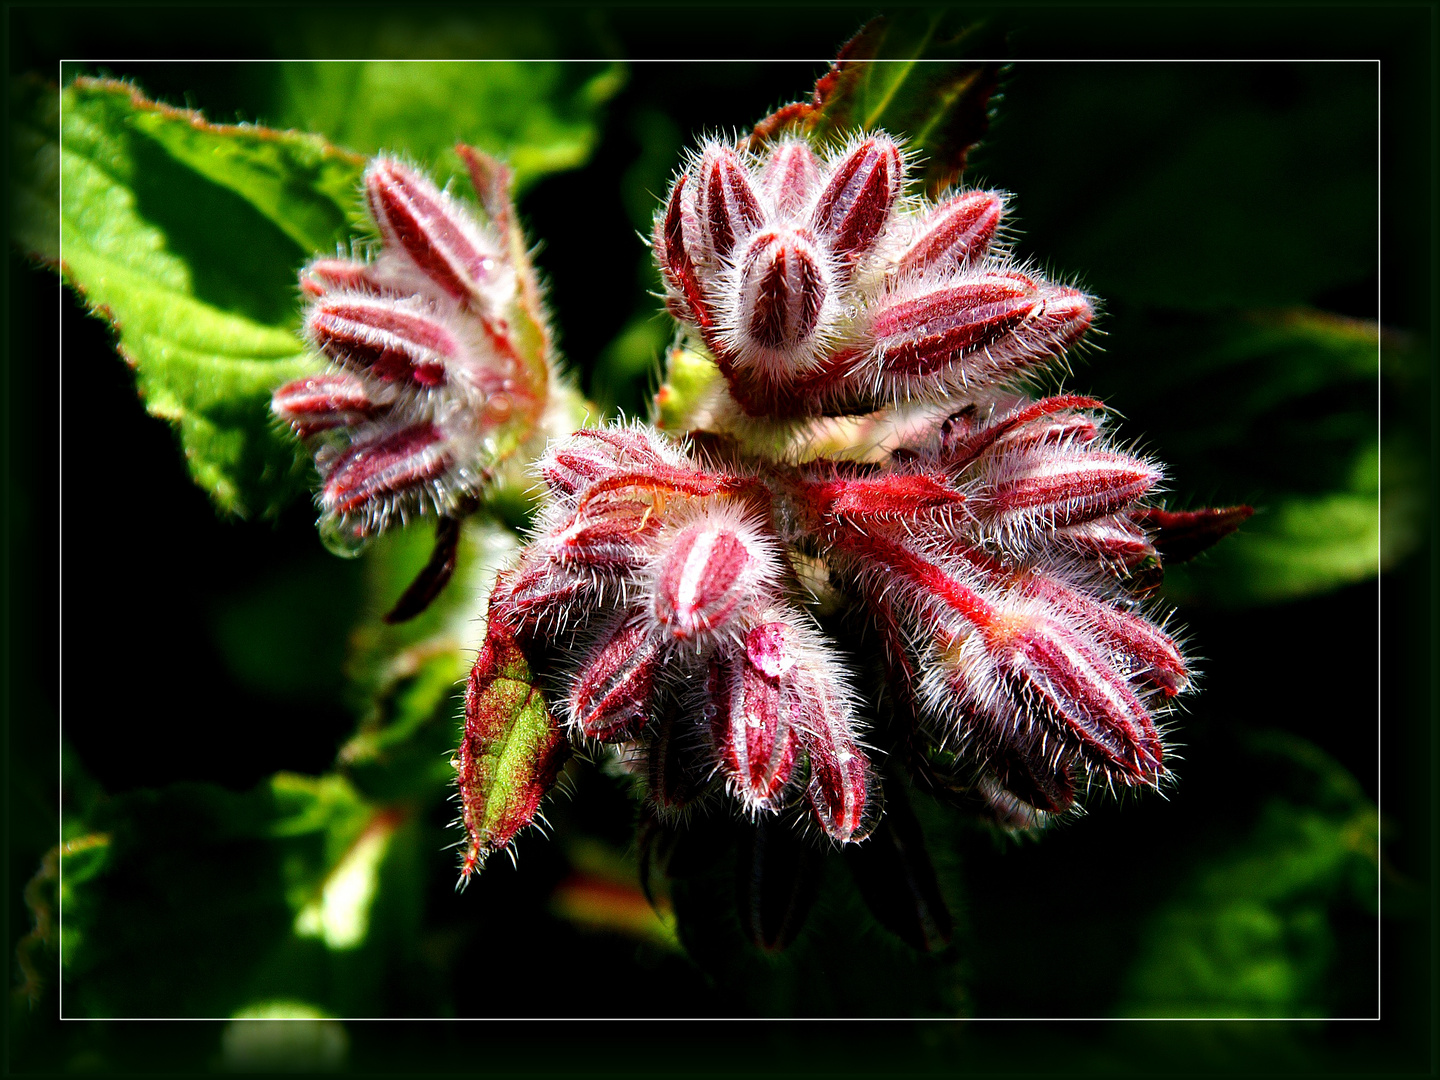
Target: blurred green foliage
{"x": 1194, "y": 202}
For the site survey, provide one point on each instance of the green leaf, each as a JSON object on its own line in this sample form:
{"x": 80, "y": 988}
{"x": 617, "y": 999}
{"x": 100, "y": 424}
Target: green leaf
{"x": 276, "y": 887}
{"x": 1253, "y": 933}
{"x": 900, "y": 75}
{"x": 186, "y": 237}
{"x": 540, "y": 117}
{"x": 1276, "y": 409}
{"x": 512, "y": 749}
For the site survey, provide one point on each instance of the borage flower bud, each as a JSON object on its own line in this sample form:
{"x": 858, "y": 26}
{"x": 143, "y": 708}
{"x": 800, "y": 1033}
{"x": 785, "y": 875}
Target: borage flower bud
{"x": 750, "y": 724}
{"x": 791, "y": 176}
{"x": 783, "y": 287}
{"x": 856, "y": 203}
{"x": 918, "y": 335}
{"x": 394, "y": 340}
{"x": 842, "y": 792}
{"x": 1143, "y": 648}
{"x": 956, "y": 233}
{"x": 706, "y": 572}
{"x": 609, "y": 699}
{"x": 339, "y": 275}
{"x": 1114, "y": 540}
{"x": 1077, "y": 689}
{"x": 593, "y": 454}
{"x": 322, "y": 402}
{"x": 366, "y": 476}
{"x": 726, "y": 203}
{"x": 608, "y": 538}
{"x": 441, "y": 238}
{"x": 1026, "y": 487}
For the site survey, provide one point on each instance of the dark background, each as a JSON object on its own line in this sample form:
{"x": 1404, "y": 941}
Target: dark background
{"x": 150, "y": 573}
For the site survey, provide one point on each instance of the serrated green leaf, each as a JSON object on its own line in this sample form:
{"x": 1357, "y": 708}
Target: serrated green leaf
{"x": 186, "y": 237}
{"x": 539, "y": 116}
{"x": 902, "y": 75}
{"x": 162, "y": 889}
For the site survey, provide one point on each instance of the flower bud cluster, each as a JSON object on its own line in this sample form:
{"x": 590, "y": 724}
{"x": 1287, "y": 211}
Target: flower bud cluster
{"x": 818, "y": 287}
{"x": 998, "y": 549}
{"x": 438, "y": 353}
{"x": 657, "y": 589}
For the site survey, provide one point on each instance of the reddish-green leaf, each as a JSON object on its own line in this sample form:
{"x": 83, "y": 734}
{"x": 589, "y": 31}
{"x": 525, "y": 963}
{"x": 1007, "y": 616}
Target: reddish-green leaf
{"x": 904, "y": 75}
{"x": 512, "y": 749}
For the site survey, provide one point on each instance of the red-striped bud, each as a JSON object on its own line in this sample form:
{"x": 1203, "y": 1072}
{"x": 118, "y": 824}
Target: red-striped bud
{"x": 338, "y": 275}
{"x": 922, "y": 334}
{"x": 791, "y": 176}
{"x": 1138, "y": 647}
{"x": 840, "y": 791}
{"x": 606, "y": 538}
{"x": 750, "y": 723}
{"x": 856, "y": 203}
{"x": 783, "y": 288}
{"x": 593, "y": 454}
{"x": 726, "y": 203}
{"x": 1115, "y": 540}
{"x": 1049, "y": 665}
{"x": 957, "y": 233}
{"x": 707, "y": 572}
{"x": 369, "y": 473}
{"x": 1060, "y": 485}
{"x": 323, "y": 402}
{"x": 432, "y": 229}
{"x": 610, "y": 698}
{"x": 394, "y": 340}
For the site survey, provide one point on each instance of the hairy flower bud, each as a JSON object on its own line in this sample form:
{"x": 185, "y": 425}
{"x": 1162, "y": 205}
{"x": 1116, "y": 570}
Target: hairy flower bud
{"x": 783, "y": 288}
{"x": 432, "y": 229}
{"x": 1059, "y": 485}
{"x": 917, "y": 336}
{"x": 705, "y": 572}
{"x": 322, "y": 402}
{"x": 726, "y": 203}
{"x": 1073, "y": 685}
{"x": 751, "y": 726}
{"x": 610, "y": 695}
{"x": 369, "y": 472}
{"x": 323, "y": 276}
{"x": 392, "y": 340}
{"x": 956, "y": 233}
{"x": 855, "y": 204}
{"x": 791, "y": 176}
